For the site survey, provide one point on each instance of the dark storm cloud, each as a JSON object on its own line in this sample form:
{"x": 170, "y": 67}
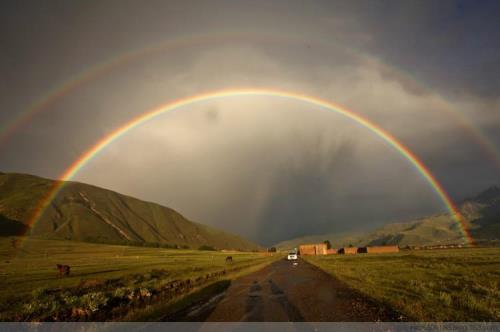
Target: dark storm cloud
{"x": 302, "y": 194}
{"x": 451, "y": 45}
{"x": 261, "y": 167}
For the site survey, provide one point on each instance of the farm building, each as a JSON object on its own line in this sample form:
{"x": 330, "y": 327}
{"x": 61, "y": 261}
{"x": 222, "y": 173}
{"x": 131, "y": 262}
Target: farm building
{"x": 348, "y": 250}
{"x": 378, "y": 249}
{"x": 313, "y": 249}
{"x": 331, "y": 251}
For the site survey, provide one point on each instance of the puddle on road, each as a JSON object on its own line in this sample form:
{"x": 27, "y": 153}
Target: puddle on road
{"x": 204, "y": 307}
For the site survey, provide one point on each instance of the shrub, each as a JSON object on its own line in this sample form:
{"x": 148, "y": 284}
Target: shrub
{"x": 158, "y": 273}
{"x": 206, "y": 247}
{"x": 121, "y": 292}
{"x": 445, "y": 298}
{"x": 39, "y": 292}
{"x": 71, "y": 300}
{"x": 95, "y": 301}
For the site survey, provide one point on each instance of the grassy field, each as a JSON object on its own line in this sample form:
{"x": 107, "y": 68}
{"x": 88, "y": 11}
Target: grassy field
{"x": 426, "y": 285}
{"x": 106, "y": 281}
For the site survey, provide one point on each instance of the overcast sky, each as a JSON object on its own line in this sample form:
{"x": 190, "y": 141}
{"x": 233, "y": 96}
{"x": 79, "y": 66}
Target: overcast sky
{"x": 266, "y": 168}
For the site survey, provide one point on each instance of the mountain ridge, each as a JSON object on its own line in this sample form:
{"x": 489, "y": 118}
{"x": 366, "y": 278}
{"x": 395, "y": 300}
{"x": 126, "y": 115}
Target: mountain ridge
{"x": 482, "y": 219}
{"x": 89, "y": 213}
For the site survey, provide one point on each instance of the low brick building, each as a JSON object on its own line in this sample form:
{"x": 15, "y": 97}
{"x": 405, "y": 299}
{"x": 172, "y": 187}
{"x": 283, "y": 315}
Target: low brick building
{"x": 331, "y": 251}
{"x": 313, "y": 249}
{"x": 348, "y": 250}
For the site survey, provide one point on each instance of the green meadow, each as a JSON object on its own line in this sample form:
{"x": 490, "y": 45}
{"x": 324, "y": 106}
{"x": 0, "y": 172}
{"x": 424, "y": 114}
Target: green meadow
{"x": 425, "y": 285}
{"x": 107, "y": 282}
{"x": 112, "y": 282}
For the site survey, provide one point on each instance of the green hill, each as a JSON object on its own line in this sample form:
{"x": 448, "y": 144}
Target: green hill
{"x": 87, "y": 213}
{"x": 482, "y": 214}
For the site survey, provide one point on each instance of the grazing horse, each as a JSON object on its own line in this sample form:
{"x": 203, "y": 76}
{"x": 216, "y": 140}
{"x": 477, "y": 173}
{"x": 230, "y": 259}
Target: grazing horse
{"x": 229, "y": 259}
{"x": 63, "y": 270}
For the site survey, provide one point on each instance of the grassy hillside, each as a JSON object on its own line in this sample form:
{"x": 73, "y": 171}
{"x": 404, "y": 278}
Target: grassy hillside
{"x": 425, "y": 285}
{"x": 440, "y": 229}
{"x": 482, "y": 214}
{"x": 87, "y": 213}
{"x": 106, "y": 282}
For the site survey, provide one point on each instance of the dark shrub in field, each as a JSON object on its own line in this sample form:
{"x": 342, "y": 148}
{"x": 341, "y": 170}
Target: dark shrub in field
{"x": 205, "y": 247}
{"x": 158, "y": 273}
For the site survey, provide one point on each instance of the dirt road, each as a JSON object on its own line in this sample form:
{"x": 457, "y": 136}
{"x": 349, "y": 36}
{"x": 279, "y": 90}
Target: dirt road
{"x": 286, "y": 292}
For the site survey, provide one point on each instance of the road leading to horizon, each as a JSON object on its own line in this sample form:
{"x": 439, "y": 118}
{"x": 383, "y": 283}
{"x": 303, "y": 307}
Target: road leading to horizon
{"x": 285, "y": 292}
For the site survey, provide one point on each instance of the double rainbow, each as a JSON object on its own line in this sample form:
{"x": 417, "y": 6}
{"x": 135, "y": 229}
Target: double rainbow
{"x": 9, "y": 128}
{"x": 179, "y": 103}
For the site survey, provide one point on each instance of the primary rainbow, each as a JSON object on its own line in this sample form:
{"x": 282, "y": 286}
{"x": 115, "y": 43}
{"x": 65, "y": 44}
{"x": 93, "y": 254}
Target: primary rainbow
{"x": 151, "y": 114}
{"x": 9, "y": 128}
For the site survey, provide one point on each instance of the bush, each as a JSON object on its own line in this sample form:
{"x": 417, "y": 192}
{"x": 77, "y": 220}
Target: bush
{"x": 158, "y": 273}
{"x": 445, "y": 298}
{"x": 205, "y": 247}
{"x": 121, "y": 293}
{"x": 95, "y": 301}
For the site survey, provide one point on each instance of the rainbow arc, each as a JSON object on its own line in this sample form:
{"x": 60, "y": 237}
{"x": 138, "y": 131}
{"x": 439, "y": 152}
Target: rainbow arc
{"x": 111, "y": 137}
{"x": 9, "y": 128}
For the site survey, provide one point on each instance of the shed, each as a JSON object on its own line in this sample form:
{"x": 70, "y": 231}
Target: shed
{"x": 313, "y": 249}
{"x": 348, "y": 250}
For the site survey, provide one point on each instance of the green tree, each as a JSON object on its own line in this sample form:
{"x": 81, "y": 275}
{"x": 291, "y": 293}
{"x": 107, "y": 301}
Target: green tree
{"x": 328, "y": 244}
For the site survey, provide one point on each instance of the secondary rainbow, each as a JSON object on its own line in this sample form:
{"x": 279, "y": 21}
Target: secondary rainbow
{"x": 97, "y": 70}
{"x": 322, "y": 103}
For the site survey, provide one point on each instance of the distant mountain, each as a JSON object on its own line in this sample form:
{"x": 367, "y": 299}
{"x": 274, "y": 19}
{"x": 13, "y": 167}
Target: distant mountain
{"x": 87, "y": 213}
{"x": 482, "y": 214}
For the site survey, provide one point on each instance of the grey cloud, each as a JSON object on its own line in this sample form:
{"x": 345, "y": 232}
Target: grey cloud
{"x": 265, "y": 168}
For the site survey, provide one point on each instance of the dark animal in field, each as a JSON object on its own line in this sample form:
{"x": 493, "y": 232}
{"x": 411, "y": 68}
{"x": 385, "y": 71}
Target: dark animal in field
{"x": 63, "y": 270}
{"x": 229, "y": 259}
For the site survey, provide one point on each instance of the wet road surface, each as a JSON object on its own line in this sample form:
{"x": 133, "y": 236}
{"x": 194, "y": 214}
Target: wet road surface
{"x": 286, "y": 292}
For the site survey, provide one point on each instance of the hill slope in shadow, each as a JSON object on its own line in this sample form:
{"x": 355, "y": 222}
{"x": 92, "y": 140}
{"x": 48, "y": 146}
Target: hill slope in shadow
{"x": 84, "y": 212}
